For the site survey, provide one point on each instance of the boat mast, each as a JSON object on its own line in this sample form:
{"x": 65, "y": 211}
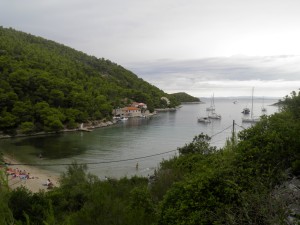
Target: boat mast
{"x": 213, "y": 100}
{"x": 252, "y": 103}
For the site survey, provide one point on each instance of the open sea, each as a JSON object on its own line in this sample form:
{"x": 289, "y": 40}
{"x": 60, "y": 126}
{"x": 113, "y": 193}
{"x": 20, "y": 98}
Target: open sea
{"x": 116, "y": 150}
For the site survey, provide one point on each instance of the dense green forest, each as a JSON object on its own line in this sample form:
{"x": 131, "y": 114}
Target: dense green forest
{"x": 46, "y": 86}
{"x": 201, "y": 185}
{"x": 184, "y": 97}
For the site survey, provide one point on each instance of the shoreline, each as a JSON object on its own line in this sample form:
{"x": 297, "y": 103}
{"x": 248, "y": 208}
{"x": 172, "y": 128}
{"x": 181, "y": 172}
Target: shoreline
{"x": 187, "y": 103}
{"x": 89, "y": 126}
{"x": 85, "y": 127}
{"x": 168, "y": 109}
{"x": 37, "y": 177}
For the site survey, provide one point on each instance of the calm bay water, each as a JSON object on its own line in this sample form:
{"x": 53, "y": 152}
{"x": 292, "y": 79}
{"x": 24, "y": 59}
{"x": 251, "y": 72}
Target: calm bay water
{"x": 114, "y": 149}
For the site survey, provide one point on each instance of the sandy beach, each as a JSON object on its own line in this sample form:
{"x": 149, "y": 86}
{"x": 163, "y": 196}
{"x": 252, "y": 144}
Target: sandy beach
{"x": 37, "y": 177}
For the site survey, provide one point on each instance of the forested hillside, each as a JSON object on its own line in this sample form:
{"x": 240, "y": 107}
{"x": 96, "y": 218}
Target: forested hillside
{"x": 48, "y": 86}
{"x": 184, "y": 97}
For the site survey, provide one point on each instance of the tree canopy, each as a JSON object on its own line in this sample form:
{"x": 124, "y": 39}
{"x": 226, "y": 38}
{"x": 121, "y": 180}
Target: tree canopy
{"x": 184, "y": 97}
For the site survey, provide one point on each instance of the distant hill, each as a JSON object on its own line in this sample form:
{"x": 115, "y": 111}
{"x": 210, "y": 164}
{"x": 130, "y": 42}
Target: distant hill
{"x": 184, "y": 97}
{"x": 46, "y": 86}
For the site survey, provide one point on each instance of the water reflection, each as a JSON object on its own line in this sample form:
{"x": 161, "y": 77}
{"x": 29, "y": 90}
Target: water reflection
{"x": 134, "y": 122}
{"x": 52, "y": 147}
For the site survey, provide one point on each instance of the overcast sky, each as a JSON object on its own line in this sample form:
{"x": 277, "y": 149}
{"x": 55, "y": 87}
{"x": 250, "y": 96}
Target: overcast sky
{"x": 197, "y": 46}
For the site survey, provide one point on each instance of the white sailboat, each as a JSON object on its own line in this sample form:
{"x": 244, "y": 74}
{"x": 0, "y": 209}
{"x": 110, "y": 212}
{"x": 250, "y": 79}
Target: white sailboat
{"x": 251, "y": 119}
{"x": 212, "y": 105}
{"x": 263, "y": 109}
{"x": 212, "y": 114}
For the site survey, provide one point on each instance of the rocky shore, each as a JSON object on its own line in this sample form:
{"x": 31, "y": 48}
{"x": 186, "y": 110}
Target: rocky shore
{"x": 288, "y": 195}
{"x": 186, "y": 103}
{"x": 168, "y": 109}
{"x": 88, "y": 126}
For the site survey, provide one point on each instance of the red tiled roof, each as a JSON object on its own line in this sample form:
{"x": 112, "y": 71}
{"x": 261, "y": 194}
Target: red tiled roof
{"x": 131, "y": 108}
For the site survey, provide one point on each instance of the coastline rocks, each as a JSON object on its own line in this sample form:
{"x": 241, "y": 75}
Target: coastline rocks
{"x": 288, "y": 194}
{"x": 96, "y": 124}
{"x": 187, "y": 103}
{"x": 89, "y": 126}
{"x": 166, "y": 110}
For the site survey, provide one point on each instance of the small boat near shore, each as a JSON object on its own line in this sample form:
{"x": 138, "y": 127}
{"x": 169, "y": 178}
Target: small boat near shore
{"x": 120, "y": 118}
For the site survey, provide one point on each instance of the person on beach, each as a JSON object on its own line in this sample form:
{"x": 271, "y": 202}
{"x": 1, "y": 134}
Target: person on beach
{"x": 49, "y": 183}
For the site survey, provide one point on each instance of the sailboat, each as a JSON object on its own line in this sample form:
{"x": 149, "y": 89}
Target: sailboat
{"x": 212, "y": 114}
{"x": 211, "y": 108}
{"x": 263, "y": 109}
{"x": 251, "y": 119}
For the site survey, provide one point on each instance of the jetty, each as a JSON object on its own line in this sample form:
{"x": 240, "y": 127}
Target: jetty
{"x": 81, "y": 128}
{"x": 85, "y": 129}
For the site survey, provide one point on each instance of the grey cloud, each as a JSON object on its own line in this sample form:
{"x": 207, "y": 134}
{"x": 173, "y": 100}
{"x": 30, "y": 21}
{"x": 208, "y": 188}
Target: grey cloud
{"x": 232, "y": 76}
{"x": 130, "y": 30}
{"x": 231, "y": 68}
